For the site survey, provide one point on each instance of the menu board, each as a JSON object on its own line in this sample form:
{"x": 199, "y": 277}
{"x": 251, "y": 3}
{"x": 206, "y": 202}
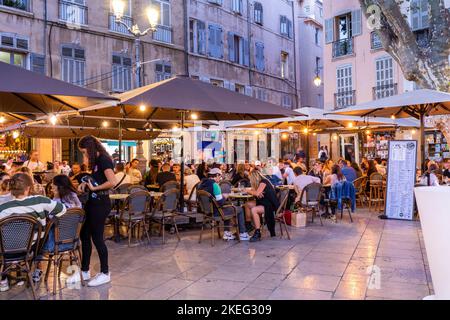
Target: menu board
{"x": 401, "y": 177}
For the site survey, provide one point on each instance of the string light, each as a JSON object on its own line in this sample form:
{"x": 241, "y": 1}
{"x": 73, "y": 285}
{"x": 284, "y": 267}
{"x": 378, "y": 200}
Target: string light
{"x": 350, "y": 125}
{"x": 393, "y": 117}
{"x": 53, "y": 119}
{"x": 105, "y": 124}
{"x": 305, "y": 131}
{"x": 284, "y": 136}
{"x": 142, "y": 107}
{"x": 194, "y": 116}
{"x": 413, "y": 131}
{"x": 290, "y": 128}
{"x": 15, "y": 134}
{"x": 367, "y": 131}
{"x": 2, "y": 119}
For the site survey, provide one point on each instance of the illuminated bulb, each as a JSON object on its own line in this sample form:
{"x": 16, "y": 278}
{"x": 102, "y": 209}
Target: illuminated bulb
{"x": 314, "y": 134}
{"x": 2, "y": 119}
{"x": 175, "y": 129}
{"x": 335, "y": 137}
{"x": 367, "y": 131}
{"x": 305, "y": 130}
{"x": 284, "y": 136}
{"x": 53, "y": 119}
{"x": 350, "y": 125}
{"x": 142, "y": 107}
{"x": 15, "y": 134}
{"x": 393, "y": 117}
{"x": 194, "y": 116}
{"x": 290, "y": 128}
{"x": 256, "y": 132}
{"x": 413, "y": 131}
{"x": 105, "y": 124}
{"x": 317, "y": 81}
{"x": 2, "y": 136}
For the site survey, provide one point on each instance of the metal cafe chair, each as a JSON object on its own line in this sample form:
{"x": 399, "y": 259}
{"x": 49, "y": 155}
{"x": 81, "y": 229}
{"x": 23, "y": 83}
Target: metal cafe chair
{"x": 208, "y": 205}
{"x": 360, "y": 187}
{"x": 310, "y": 200}
{"x": 17, "y": 247}
{"x": 283, "y": 196}
{"x": 170, "y": 185}
{"x": 376, "y": 194}
{"x": 62, "y": 242}
{"x": 165, "y": 212}
{"x": 134, "y": 213}
{"x": 135, "y": 188}
{"x": 225, "y": 186}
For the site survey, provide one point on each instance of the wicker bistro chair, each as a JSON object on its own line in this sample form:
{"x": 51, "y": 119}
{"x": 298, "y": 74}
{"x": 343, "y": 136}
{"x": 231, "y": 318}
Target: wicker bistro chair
{"x": 244, "y": 182}
{"x": 123, "y": 188}
{"x": 225, "y": 186}
{"x": 62, "y": 242}
{"x": 165, "y": 211}
{"x": 208, "y": 205}
{"x": 135, "y": 188}
{"x": 360, "y": 187}
{"x": 283, "y": 196}
{"x": 310, "y": 200}
{"x": 170, "y": 185}
{"x": 134, "y": 214}
{"x": 191, "y": 201}
{"x": 17, "y": 245}
{"x": 376, "y": 193}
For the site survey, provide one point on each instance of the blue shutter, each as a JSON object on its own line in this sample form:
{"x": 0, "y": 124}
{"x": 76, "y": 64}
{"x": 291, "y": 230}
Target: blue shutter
{"x": 38, "y": 63}
{"x": 211, "y": 40}
{"x": 219, "y": 42}
{"x": 356, "y": 22}
{"x": 289, "y": 29}
{"x": 329, "y": 31}
{"x": 231, "y": 54}
{"x": 259, "y": 56}
{"x": 246, "y": 47}
{"x": 241, "y": 7}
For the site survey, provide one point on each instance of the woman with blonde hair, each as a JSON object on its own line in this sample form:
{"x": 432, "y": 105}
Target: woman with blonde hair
{"x": 327, "y": 168}
{"x": 239, "y": 174}
{"x": 266, "y": 203}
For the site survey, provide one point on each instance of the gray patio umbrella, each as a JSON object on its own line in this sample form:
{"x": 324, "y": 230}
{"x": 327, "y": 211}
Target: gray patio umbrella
{"x": 417, "y": 104}
{"x": 29, "y": 93}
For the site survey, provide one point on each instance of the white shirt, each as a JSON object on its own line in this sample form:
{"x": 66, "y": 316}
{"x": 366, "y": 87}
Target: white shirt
{"x": 34, "y": 166}
{"x": 434, "y": 181}
{"x": 303, "y": 180}
{"x": 65, "y": 170}
{"x": 190, "y": 181}
{"x": 290, "y": 175}
{"x": 277, "y": 172}
{"x": 119, "y": 176}
{"x": 135, "y": 176}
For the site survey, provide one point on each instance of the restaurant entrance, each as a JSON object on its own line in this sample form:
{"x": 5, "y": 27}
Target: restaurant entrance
{"x": 349, "y": 147}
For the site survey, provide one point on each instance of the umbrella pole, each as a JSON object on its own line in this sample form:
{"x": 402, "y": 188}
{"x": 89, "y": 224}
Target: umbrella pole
{"x": 307, "y": 151}
{"x": 182, "y": 164}
{"x": 422, "y": 141}
{"x": 120, "y": 141}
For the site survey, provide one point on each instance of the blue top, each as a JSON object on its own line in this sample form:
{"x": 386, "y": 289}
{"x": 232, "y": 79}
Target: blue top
{"x": 349, "y": 173}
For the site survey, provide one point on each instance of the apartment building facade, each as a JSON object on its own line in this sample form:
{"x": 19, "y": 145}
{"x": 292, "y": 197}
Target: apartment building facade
{"x": 242, "y": 45}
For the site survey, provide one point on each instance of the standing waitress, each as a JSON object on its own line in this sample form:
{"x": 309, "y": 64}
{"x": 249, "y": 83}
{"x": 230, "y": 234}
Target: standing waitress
{"x": 97, "y": 209}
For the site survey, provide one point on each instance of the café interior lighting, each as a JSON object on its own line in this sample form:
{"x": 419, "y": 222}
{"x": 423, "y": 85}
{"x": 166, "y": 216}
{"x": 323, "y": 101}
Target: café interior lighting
{"x": 142, "y": 107}
{"x": 53, "y": 120}
{"x": 15, "y": 134}
{"x": 2, "y": 119}
{"x": 194, "y": 116}
{"x": 105, "y": 124}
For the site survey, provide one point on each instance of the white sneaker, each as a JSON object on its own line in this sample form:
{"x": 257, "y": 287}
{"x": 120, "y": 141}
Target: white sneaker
{"x": 99, "y": 279}
{"x": 4, "y": 285}
{"x": 244, "y": 236}
{"x": 227, "y": 235}
{"x": 74, "y": 278}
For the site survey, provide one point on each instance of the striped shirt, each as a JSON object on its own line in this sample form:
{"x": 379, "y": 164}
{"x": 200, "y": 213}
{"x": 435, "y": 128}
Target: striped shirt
{"x": 38, "y": 206}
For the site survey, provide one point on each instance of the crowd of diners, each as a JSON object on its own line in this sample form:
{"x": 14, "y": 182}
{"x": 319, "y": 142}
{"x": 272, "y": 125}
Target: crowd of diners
{"x": 25, "y": 189}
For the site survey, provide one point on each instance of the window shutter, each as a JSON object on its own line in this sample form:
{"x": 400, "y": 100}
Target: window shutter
{"x": 219, "y": 42}
{"x": 259, "y": 56}
{"x": 281, "y": 24}
{"x": 7, "y": 41}
{"x": 424, "y": 21}
{"x": 204, "y": 79}
{"x": 201, "y": 37}
{"x": 38, "y": 63}
{"x": 246, "y": 53}
{"x": 248, "y": 91}
{"x": 226, "y": 84}
{"x": 241, "y": 7}
{"x": 232, "y": 86}
{"x": 290, "y": 30}
{"x": 415, "y": 15}
{"x": 22, "y": 43}
{"x": 67, "y": 52}
{"x": 329, "y": 36}
{"x": 231, "y": 48}
{"x": 165, "y": 16}
{"x": 211, "y": 42}
{"x": 356, "y": 22}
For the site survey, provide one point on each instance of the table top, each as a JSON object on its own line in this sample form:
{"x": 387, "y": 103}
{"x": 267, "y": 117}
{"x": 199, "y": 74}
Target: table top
{"x": 238, "y": 190}
{"x": 239, "y": 195}
{"x": 153, "y": 186}
{"x": 118, "y": 196}
{"x": 288, "y": 186}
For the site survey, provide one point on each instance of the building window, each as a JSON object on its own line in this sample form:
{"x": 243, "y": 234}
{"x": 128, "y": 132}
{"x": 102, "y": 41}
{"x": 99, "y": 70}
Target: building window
{"x": 285, "y": 27}
{"x": 375, "y": 41}
{"x": 14, "y": 49}
{"x": 345, "y": 95}
{"x": 197, "y": 36}
{"x": 286, "y": 101}
{"x": 17, "y": 4}
{"x": 317, "y": 36}
{"x": 163, "y": 70}
{"x": 307, "y": 9}
{"x": 73, "y": 11}
{"x": 215, "y": 41}
{"x": 385, "y": 86}
{"x": 73, "y": 65}
{"x": 163, "y": 31}
{"x": 259, "y": 56}
{"x": 258, "y": 13}
{"x": 419, "y": 14}
{"x": 238, "y": 49}
{"x": 321, "y": 12}
{"x": 237, "y": 6}
{"x": 284, "y": 65}
{"x": 239, "y": 88}
{"x": 340, "y": 31}
{"x": 217, "y": 83}
{"x": 317, "y": 65}
{"x": 261, "y": 94}
{"x": 121, "y": 73}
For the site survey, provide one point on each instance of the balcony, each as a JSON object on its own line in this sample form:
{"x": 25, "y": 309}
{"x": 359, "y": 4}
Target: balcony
{"x": 73, "y": 13}
{"x": 342, "y": 47}
{"x": 16, "y": 4}
{"x": 118, "y": 27}
{"x": 384, "y": 91}
{"x": 344, "y": 99}
{"x": 163, "y": 34}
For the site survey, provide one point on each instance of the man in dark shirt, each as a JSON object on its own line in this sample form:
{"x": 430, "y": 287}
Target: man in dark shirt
{"x": 165, "y": 175}
{"x": 316, "y": 171}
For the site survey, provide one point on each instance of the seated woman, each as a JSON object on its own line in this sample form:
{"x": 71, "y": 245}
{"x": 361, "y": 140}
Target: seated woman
{"x": 42, "y": 208}
{"x": 429, "y": 178}
{"x": 5, "y": 194}
{"x": 335, "y": 177}
{"x": 266, "y": 203}
{"x": 239, "y": 174}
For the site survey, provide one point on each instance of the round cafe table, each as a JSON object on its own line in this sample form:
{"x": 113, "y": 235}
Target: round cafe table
{"x": 240, "y": 197}
{"x": 118, "y": 198}
{"x": 153, "y": 186}
{"x": 286, "y": 186}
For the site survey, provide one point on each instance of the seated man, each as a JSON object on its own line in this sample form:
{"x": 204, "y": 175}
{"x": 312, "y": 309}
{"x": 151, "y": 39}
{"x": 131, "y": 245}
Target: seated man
{"x": 301, "y": 181}
{"x": 211, "y": 185}
{"x": 348, "y": 172}
{"x": 165, "y": 175}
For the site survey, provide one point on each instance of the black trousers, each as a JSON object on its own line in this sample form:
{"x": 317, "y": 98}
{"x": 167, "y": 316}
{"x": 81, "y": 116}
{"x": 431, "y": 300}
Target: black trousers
{"x": 97, "y": 210}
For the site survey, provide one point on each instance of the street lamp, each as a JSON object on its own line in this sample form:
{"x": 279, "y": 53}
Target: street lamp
{"x": 317, "y": 81}
{"x": 152, "y": 16}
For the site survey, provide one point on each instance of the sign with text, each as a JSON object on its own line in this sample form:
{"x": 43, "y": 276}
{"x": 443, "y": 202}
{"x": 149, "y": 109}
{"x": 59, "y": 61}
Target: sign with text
{"x": 401, "y": 177}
